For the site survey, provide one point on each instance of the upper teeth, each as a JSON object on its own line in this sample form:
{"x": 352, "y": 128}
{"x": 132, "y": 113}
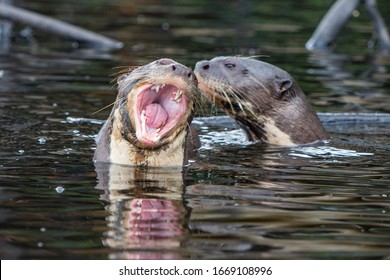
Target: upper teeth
{"x": 157, "y": 88}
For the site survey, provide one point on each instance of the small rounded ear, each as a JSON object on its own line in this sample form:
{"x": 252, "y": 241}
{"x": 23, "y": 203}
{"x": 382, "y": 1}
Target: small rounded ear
{"x": 120, "y": 80}
{"x": 284, "y": 85}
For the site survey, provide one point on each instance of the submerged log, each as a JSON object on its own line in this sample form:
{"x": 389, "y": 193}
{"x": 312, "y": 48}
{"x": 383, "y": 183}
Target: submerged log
{"x": 326, "y": 119}
{"x": 57, "y": 27}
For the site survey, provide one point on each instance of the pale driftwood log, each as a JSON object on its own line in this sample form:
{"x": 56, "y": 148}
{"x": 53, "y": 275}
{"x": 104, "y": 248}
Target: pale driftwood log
{"x": 379, "y": 25}
{"x": 326, "y": 119}
{"x": 57, "y": 27}
{"x": 336, "y": 18}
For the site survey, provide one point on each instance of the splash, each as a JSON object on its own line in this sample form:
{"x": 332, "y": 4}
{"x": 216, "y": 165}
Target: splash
{"x": 325, "y": 152}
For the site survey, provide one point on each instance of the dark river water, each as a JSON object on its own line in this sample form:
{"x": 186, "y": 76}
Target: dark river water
{"x": 235, "y": 200}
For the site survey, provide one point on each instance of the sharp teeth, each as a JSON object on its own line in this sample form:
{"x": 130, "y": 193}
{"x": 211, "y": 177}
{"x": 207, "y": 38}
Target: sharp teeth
{"x": 157, "y": 88}
{"x": 156, "y": 137}
{"x": 143, "y": 120}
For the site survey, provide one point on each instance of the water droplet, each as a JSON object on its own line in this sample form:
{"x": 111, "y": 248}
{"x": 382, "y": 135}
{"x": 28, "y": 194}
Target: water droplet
{"x": 40, "y": 244}
{"x": 43, "y": 229}
{"x": 41, "y": 140}
{"x": 60, "y": 189}
{"x": 21, "y": 151}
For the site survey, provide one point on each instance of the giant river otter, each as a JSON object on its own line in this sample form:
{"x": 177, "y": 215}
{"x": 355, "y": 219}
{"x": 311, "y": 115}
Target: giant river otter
{"x": 149, "y": 122}
{"x": 264, "y": 99}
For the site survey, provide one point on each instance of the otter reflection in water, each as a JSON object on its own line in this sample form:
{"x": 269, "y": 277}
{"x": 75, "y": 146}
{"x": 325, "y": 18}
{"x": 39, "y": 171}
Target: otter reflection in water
{"x": 149, "y": 127}
{"x": 147, "y": 217}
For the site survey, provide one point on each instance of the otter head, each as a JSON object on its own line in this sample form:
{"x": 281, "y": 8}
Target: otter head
{"x": 149, "y": 121}
{"x": 264, "y": 99}
{"x": 156, "y": 102}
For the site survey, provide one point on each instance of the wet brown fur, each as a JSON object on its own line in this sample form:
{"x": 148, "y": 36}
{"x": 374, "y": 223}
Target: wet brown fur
{"x": 117, "y": 142}
{"x": 264, "y": 99}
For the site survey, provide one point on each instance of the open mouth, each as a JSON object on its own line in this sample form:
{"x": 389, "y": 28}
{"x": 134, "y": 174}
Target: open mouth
{"x": 158, "y": 109}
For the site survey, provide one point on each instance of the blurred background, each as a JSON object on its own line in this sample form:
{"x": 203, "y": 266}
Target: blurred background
{"x": 352, "y": 78}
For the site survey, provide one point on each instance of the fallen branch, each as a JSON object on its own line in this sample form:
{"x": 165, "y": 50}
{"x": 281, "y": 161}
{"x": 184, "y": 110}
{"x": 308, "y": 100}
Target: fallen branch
{"x": 331, "y": 25}
{"x": 58, "y": 27}
{"x": 337, "y": 17}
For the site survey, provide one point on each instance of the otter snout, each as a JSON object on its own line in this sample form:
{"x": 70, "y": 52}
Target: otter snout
{"x": 202, "y": 65}
{"x": 176, "y": 68}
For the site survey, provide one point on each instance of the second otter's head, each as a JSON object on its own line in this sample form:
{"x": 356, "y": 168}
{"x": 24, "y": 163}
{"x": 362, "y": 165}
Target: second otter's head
{"x": 264, "y": 99}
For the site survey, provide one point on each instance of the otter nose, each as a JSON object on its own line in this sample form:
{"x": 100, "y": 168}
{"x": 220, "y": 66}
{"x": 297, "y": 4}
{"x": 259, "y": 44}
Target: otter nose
{"x": 202, "y": 65}
{"x": 181, "y": 70}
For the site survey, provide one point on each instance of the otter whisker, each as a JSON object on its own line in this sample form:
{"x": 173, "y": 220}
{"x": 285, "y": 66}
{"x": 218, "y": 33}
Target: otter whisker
{"x": 237, "y": 99}
{"x": 119, "y": 103}
{"x": 101, "y": 109}
{"x": 232, "y": 93}
{"x": 221, "y": 91}
{"x": 247, "y": 110}
{"x": 109, "y": 105}
{"x": 124, "y": 70}
{"x": 199, "y": 102}
{"x": 226, "y": 97}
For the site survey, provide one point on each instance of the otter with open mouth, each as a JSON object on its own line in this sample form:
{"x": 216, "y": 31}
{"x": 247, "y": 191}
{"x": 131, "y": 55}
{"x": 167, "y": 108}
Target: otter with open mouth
{"x": 264, "y": 99}
{"x": 149, "y": 123}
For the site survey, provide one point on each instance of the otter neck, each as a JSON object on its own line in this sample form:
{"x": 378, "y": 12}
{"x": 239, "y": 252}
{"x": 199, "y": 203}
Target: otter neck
{"x": 292, "y": 122}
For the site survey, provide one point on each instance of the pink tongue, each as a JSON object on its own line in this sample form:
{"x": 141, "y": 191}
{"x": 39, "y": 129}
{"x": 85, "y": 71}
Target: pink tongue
{"x": 156, "y": 116}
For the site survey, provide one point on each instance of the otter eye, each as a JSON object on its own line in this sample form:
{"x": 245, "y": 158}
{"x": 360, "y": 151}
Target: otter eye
{"x": 230, "y": 65}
